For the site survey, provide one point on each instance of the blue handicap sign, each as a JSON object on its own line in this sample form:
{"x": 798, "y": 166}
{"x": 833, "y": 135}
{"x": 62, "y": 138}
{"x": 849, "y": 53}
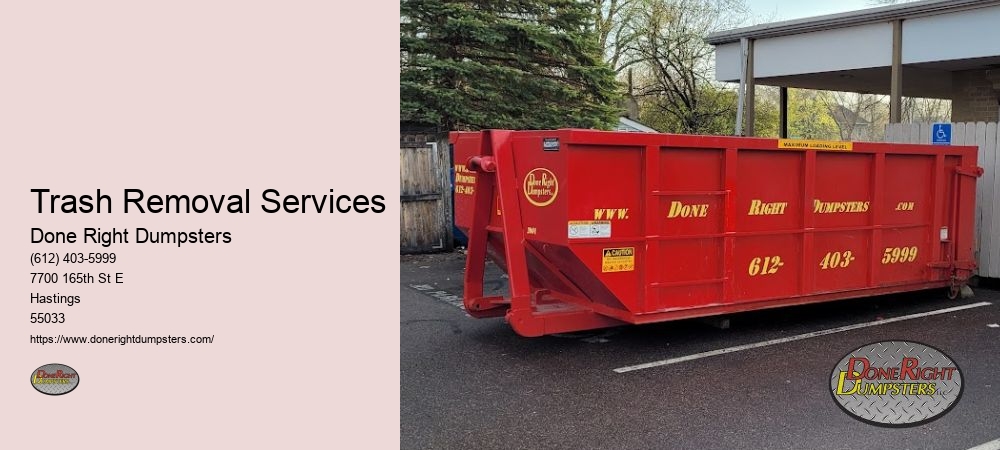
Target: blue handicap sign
{"x": 941, "y": 134}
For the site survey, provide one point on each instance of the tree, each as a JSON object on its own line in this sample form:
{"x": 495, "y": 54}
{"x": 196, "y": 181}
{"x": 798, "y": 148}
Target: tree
{"x": 851, "y": 111}
{"x": 670, "y": 53}
{"x": 879, "y": 118}
{"x": 615, "y": 26}
{"x": 659, "y": 113}
{"x": 766, "y": 115}
{"x": 925, "y": 110}
{"x": 517, "y": 64}
{"x": 808, "y": 115}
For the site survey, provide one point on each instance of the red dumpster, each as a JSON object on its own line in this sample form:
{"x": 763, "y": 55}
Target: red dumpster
{"x": 598, "y": 229}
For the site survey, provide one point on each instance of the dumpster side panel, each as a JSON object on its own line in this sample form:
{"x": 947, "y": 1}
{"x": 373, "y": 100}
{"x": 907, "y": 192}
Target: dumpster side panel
{"x": 466, "y": 145}
{"x": 637, "y": 228}
{"x": 690, "y": 197}
{"x": 540, "y": 177}
{"x": 769, "y": 191}
{"x": 768, "y": 234}
{"x": 603, "y": 225}
{"x": 841, "y": 215}
{"x": 908, "y": 197}
{"x": 841, "y": 260}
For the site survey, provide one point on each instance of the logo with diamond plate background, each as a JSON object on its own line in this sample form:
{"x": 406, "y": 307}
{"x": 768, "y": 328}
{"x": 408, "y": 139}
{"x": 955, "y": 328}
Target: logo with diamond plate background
{"x": 55, "y": 379}
{"x": 896, "y": 383}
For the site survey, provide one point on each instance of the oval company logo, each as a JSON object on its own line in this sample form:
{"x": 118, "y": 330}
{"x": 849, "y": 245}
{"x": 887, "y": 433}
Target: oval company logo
{"x": 896, "y": 384}
{"x": 541, "y": 187}
{"x": 55, "y": 379}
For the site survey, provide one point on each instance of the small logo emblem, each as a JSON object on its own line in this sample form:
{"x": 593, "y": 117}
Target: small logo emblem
{"x": 55, "y": 379}
{"x": 896, "y": 384}
{"x": 541, "y": 187}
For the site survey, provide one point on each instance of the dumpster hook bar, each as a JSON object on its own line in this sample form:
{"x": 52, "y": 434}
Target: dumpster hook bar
{"x": 481, "y": 164}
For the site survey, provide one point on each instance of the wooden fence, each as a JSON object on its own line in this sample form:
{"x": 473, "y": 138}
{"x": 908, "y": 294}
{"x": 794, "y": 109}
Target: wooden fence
{"x": 425, "y": 217}
{"x": 985, "y": 136}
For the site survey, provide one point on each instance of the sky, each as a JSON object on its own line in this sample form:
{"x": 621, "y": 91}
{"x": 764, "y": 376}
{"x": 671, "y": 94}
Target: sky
{"x": 778, "y": 10}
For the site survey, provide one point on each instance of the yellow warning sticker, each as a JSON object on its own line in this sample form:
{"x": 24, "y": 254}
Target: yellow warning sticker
{"x": 618, "y": 260}
{"x": 837, "y": 146}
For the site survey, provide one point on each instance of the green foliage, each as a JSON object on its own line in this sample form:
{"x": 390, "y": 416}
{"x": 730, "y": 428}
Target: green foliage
{"x": 518, "y": 64}
{"x": 712, "y": 111}
{"x": 766, "y": 119}
{"x": 809, "y": 117}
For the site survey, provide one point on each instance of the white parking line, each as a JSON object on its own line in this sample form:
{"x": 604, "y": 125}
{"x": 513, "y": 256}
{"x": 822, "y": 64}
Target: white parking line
{"x": 991, "y": 445}
{"x": 799, "y": 337}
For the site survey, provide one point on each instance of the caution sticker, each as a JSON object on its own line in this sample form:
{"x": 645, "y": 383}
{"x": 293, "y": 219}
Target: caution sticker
{"x": 584, "y": 229}
{"x": 618, "y": 260}
{"x": 837, "y": 146}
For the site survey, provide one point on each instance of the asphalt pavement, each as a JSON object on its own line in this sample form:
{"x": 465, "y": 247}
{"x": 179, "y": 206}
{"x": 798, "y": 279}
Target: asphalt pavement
{"x": 471, "y": 383}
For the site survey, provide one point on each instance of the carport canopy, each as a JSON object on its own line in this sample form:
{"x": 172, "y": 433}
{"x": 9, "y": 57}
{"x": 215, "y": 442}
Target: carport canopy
{"x": 948, "y": 49}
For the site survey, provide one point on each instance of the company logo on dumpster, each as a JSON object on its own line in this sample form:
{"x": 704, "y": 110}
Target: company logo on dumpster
{"x": 896, "y": 384}
{"x": 54, "y": 379}
{"x": 541, "y": 187}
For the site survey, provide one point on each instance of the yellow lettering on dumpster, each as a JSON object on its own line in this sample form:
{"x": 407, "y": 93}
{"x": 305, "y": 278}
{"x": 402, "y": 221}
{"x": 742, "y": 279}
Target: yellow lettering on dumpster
{"x": 821, "y": 207}
{"x": 767, "y": 265}
{"x": 610, "y": 213}
{"x": 465, "y": 180}
{"x": 618, "y": 259}
{"x": 761, "y": 208}
{"x": 680, "y": 209}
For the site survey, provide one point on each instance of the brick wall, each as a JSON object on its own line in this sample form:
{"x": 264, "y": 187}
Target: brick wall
{"x": 975, "y": 96}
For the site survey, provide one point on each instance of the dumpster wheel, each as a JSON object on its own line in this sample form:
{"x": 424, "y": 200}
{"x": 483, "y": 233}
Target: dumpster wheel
{"x": 963, "y": 291}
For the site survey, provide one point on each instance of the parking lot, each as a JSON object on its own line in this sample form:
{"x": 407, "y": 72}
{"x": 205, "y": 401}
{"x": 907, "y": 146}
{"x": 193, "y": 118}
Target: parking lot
{"x": 762, "y": 383}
